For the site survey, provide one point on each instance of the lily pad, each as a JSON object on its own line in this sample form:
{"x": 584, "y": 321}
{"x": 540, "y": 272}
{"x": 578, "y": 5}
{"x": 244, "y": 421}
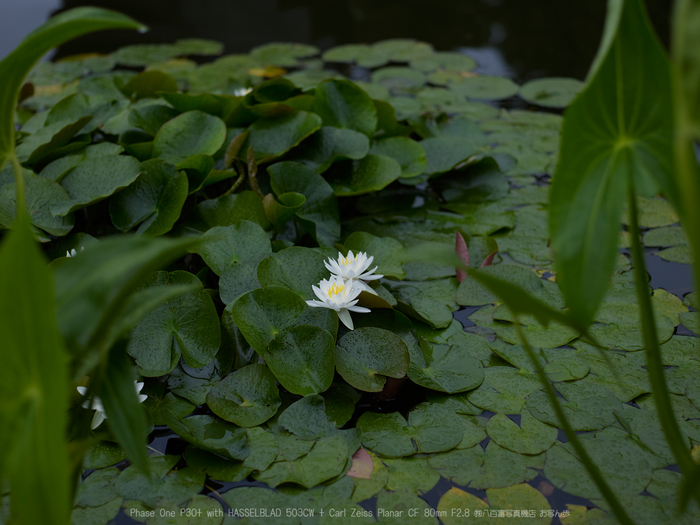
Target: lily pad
{"x": 365, "y": 357}
{"x": 94, "y": 180}
{"x": 566, "y": 369}
{"x": 296, "y": 268}
{"x": 262, "y": 313}
{"x": 504, "y": 390}
{"x": 320, "y": 150}
{"x": 187, "y": 325}
{"x": 407, "y": 152}
{"x": 445, "y": 153}
{"x": 247, "y": 397}
{"x": 226, "y": 246}
{"x": 154, "y": 200}
{"x": 319, "y": 214}
{"x": 387, "y": 252}
{"x": 302, "y": 359}
{"x": 356, "y": 177}
{"x": 342, "y": 104}
{"x": 307, "y": 419}
{"x": 446, "y": 368}
{"x": 486, "y": 87}
{"x": 588, "y": 406}
{"x": 531, "y": 437}
{"x": 272, "y": 137}
{"x": 191, "y": 133}
{"x": 551, "y": 92}
{"x": 362, "y": 54}
{"x": 430, "y": 428}
{"x": 284, "y": 54}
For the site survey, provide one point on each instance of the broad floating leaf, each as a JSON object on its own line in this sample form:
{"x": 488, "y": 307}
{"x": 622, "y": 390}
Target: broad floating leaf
{"x": 187, "y": 324}
{"x": 551, "y": 92}
{"x": 189, "y": 134}
{"x": 365, "y": 357}
{"x": 155, "y": 200}
{"x": 342, "y": 104}
{"x": 247, "y": 397}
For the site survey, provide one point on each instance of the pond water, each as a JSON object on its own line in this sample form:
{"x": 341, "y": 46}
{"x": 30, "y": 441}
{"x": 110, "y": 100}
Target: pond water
{"x": 523, "y": 40}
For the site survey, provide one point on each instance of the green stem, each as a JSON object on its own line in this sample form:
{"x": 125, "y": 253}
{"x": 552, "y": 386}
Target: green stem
{"x": 571, "y": 435}
{"x": 19, "y": 182}
{"x": 677, "y": 443}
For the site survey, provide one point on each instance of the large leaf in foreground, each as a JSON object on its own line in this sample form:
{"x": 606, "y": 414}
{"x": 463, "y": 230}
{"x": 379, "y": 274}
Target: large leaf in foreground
{"x": 618, "y": 129}
{"x": 15, "y": 66}
{"x": 33, "y": 384}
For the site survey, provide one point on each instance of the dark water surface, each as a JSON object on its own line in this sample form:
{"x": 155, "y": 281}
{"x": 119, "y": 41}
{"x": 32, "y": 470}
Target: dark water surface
{"x": 523, "y": 39}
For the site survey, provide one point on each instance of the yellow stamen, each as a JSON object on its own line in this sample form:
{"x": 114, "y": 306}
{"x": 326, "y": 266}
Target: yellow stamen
{"x": 347, "y": 261}
{"x": 335, "y": 289}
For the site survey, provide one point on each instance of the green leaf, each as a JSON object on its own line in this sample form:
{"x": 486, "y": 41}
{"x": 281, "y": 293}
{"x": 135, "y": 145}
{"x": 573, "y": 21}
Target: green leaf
{"x": 261, "y": 314}
{"x": 430, "y": 428}
{"x": 388, "y": 253}
{"x": 486, "y": 87}
{"x": 367, "y": 356}
{"x": 189, "y": 134}
{"x": 94, "y": 180}
{"x": 247, "y": 397}
{"x": 187, "y": 324}
{"x": 155, "y": 200}
{"x": 407, "y": 152}
{"x": 34, "y": 382}
{"x": 551, "y": 92}
{"x": 566, "y": 369}
{"x": 284, "y": 54}
{"x": 589, "y": 406}
{"x": 399, "y": 79}
{"x": 342, "y": 104}
{"x": 530, "y": 437}
{"x": 40, "y": 194}
{"x": 504, "y": 390}
{"x": 307, "y": 419}
{"x": 125, "y": 417}
{"x": 364, "y": 55}
{"x": 51, "y": 141}
{"x": 92, "y": 290}
{"x": 149, "y": 84}
{"x": 326, "y": 460}
{"x": 280, "y": 211}
{"x": 226, "y": 246}
{"x": 296, "y": 268}
{"x": 302, "y": 359}
{"x": 446, "y": 368}
{"x": 15, "y": 66}
{"x": 445, "y": 153}
{"x": 319, "y": 215}
{"x": 213, "y": 434}
{"x": 320, "y": 150}
{"x": 596, "y": 163}
{"x": 232, "y": 209}
{"x": 272, "y": 137}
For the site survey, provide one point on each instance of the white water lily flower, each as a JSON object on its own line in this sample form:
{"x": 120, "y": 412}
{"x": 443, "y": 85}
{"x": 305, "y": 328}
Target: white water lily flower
{"x": 96, "y": 404}
{"x": 242, "y": 92}
{"x": 354, "y": 268}
{"x": 73, "y": 253}
{"x": 339, "y": 295}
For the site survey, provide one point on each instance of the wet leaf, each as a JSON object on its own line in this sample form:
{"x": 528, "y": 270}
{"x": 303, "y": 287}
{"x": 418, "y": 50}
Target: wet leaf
{"x": 247, "y": 397}
{"x": 530, "y": 437}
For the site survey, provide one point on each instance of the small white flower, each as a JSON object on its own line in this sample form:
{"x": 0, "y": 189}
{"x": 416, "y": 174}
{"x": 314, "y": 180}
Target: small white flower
{"x": 338, "y": 295}
{"x": 96, "y": 404}
{"x": 242, "y": 92}
{"x": 354, "y": 268}
{"x": 73, "y": 253}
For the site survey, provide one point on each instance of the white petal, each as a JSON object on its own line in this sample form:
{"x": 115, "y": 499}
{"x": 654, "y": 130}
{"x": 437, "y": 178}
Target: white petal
{"x": 317, "y": 304}
{"x": 142, "y": 398}
{"x": 82, "y": 390}
{"x": 359, "y": 309}
{"x": 138, "y": 385}
{"x": 364, "y": 287}
{"x": 97, "y": 419}
{"x": 344, "y": 316}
